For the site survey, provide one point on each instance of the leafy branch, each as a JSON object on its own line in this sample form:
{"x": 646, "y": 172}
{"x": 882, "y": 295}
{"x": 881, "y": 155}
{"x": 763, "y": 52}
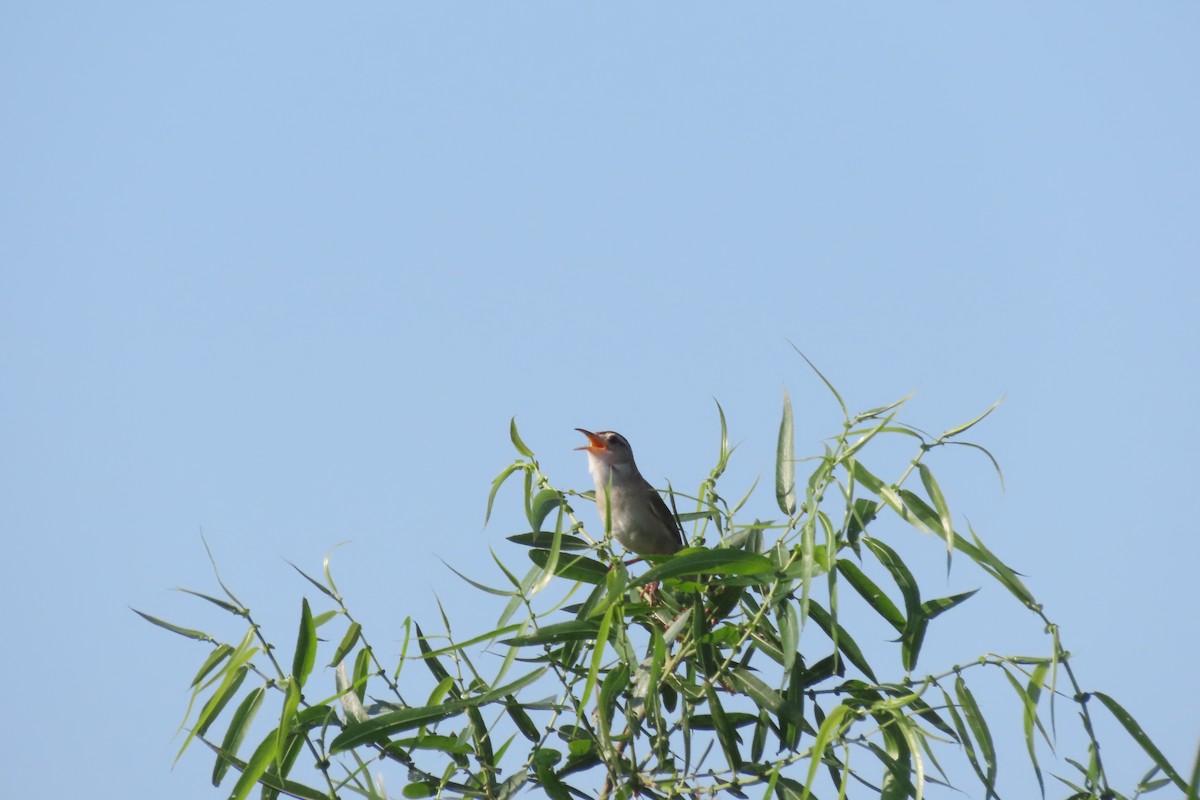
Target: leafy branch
{"x": 727, "y": 668}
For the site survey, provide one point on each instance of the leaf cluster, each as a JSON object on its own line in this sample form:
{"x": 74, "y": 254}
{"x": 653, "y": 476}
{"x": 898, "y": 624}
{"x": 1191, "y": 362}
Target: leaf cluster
{"x": 729, "y": 668}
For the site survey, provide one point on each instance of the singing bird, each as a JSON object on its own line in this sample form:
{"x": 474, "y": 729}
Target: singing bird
{"x": 641, "y": 521}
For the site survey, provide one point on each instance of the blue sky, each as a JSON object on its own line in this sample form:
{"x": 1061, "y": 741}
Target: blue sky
{"x": 281, "y": 274}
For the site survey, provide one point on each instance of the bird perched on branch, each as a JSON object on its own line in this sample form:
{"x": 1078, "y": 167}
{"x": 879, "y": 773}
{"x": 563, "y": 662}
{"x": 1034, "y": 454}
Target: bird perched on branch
{"x": 640, "y": 520}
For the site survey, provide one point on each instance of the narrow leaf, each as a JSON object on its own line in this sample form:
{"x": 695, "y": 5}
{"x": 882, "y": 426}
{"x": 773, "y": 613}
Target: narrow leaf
{"x": 830, "y": 729}
{"x": 575, "y": 568}
{"x": 870, "y": 592}
{"x": 1130, "y": 724}
{"x": 236, "y": 733}
{"x": 845, "y": 643}
{"x": 216, "y": 601}
{"x": 320, "y": 586}
{"x": 522, "y": 448}
{"x": 255, "y": 767}
{"x": 726, "y": 734}
{"x": 291, "y": 703}
{"x": 574, "y": 630}
{"x": 703, "y": 561}
{"x": 968, "y": 425}
{"x": 188, "y": 632}
{"x": 347, "y": 643}
{"x": 824, "y": 380}
{"x": 907, "y": 584}
{"x": 994, "y": 566}
{"x": 306, "y": 645}
{"x": 542, "y": 504}
{"x": 765, "y": 697}
{"x": 385, "y": 725}
{"x": 979, "y": 727}
{"x": 931, "y": 608}
{"x": 1030, "y": 706}
{"x": 785, "y": 461}
{"x": 497, "y": 482}
{"x": 939, "y": 504}
{"x": 218, "y": 655}
{"x": 544, "y": 539}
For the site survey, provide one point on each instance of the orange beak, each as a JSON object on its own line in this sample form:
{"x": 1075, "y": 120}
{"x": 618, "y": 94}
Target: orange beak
{"x": 595, "y": 443}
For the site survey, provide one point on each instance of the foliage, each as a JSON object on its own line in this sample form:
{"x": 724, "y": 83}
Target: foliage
{"x": 727, "y": 669}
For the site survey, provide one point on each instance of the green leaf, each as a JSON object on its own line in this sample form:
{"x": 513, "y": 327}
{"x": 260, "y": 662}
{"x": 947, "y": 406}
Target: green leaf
{"x": 378, "y": 729}
{"x": 320, "y": 586}
{"x": 830, "y": 729}
{"x": 979, "y": 728}
{"x": 559, "y": 632}
{"x": 877, "y": 487}
{"x": 216, "y": 704}
{"x": 383, "y": 726}
{"x": 931, "y": 608}
{"x": 497, "y": 482}
{"x": 597, "y": 654}
{"x": 431, "y": 661}
{"x": 911, "y": 639}
{"x": 230, "y": 607}
{"x": 218, "y": 655}
{"x": 329, "y": 572}
{"x": 964, "y": 735}
{"x": 542, "y": 504}
{"x": 574, "y": 568}
{"x": 789, "y": 632}
{"x": 440, "y": 691}
{"x": 325, "y": 616}
{"x": 905, "y": 761}
{"x": 968, "y": 425}
{"x": 828, "y": 385}
{"x": 255, "y": 767}
{"x": 870, "y": 592}
{"x": 703, "y": 561}
{"x": 306, "y": 645}
{"x": 545, "y": 539}
{"x": 481, "y": 587}
{"x": 1193, "y": 792}
{"x": 765, "y": 697}
{"x": 238, "y": 726}
{"x": 900, "y": 574}
{"x": 551, "y": 784}
{"x": 939, "y": 504}
{"x": 291, "y": 702}
{"x": 1127, "y": 721}
{"x": 483, "y": 747}
{"x": 726, "y": 733}
{"x": 870, "y": 433}
{"x": 994, "y": 566}
{"x": 785, "y": 461}
{"x": 188, "y": 632}
{"x": 844, "y": 642}
{"x": 347, "y": 643}
{"x": 522, "y": 448}
{"x": 362, "y": 668}
{"x": 1030, "y": 706}
{"x": 474, "y": 640}
{"x": 522, "y": 720}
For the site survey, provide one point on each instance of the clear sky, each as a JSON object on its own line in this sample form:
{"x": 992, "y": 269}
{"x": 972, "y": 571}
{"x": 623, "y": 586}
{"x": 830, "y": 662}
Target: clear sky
{"x": 281, "y": 273}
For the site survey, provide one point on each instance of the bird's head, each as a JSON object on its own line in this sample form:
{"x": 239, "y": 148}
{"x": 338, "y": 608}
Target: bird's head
{"x": 608, "y": 448}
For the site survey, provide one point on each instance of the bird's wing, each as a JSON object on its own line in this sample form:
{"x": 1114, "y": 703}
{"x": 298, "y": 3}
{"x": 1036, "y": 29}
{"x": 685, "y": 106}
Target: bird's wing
{"x": 659, "y": 507}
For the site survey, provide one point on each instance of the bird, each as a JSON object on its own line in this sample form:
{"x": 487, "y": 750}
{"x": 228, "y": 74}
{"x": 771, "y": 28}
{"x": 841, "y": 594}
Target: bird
{"x": 640, "y": 520}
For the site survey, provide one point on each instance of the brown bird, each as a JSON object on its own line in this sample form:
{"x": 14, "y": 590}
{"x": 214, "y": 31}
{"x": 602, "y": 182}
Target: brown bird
{"x": 640, "y": 520}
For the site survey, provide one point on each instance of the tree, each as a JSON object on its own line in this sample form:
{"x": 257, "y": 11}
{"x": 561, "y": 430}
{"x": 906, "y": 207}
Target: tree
{"x": 730, "y": 668}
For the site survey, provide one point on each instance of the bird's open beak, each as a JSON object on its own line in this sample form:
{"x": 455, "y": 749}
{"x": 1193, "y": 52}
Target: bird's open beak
{"x": 595, "y": 443}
